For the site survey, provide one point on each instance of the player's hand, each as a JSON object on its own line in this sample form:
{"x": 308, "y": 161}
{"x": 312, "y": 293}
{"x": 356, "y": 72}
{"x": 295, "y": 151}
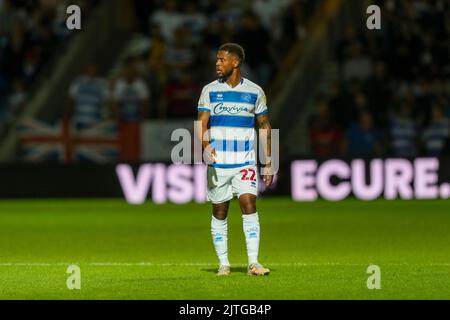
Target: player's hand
{"x": 268, "y": 179}
{"x": 267, "y": 175}
{"x": 209, "y": 154}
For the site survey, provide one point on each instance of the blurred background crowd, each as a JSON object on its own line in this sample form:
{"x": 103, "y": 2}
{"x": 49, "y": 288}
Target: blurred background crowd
{"x": 163, "y": 81}
{"x": 183, "y": 37}
{"x": 31, "y": 32}
{"x": 392, "y": 93}
{"x": 390, "y": 96}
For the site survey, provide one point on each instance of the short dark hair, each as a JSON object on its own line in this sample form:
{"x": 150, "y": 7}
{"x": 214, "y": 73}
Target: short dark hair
{"x": 235, "y": 49}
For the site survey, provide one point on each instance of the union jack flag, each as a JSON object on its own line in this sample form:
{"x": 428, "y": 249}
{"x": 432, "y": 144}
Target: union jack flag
{"x": 40, "y": 142}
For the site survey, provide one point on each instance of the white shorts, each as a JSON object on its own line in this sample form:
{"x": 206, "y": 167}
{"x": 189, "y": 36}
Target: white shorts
{"x": 223, "y": 184}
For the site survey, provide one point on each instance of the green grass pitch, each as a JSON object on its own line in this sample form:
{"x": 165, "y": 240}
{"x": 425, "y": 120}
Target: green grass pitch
{"x": 317, "y": 250}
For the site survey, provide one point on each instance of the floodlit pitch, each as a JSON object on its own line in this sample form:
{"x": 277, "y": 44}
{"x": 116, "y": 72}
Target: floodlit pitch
{"x": 319, "y": 250}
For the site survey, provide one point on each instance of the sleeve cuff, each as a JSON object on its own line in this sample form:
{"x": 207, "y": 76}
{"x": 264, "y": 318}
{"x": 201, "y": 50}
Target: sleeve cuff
{"x": 262, "y": 113}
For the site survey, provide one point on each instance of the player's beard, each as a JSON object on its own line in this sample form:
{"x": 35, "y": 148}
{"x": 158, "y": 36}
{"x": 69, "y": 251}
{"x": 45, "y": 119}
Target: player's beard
{"x": 225, "y": 75}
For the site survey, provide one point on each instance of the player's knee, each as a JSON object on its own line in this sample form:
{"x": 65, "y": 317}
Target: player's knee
{"x": 248, "y": 204}
{"x": 220, "y": 215}
{"x": 220, "y": 211}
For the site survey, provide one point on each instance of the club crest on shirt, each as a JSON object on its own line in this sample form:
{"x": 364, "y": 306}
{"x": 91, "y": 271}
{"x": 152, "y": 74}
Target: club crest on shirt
{"x": 246, "y": 97}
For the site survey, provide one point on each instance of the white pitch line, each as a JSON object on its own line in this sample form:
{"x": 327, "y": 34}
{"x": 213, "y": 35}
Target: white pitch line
{"x": 32, "y": 264}
{"x": 200, "y": 264}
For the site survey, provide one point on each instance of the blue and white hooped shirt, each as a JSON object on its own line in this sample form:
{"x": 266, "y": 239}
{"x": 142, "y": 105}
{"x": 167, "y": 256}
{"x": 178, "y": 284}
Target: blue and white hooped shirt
{"x": 232, "y": 120}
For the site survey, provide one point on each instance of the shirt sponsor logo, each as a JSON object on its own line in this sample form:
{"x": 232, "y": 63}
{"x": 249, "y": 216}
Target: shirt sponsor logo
{"x": 220, "y": 108}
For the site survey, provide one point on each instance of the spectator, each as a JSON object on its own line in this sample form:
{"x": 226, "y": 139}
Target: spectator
{"x": 87, "y": 97}
{"x": 292, "y": 26}
{"x": 360, "y": 103}
{"x": 179, "y": 97}
{"x": 340, "y": 104}
{"x": 344, "y": 46}
{"x": 436, "y": 134}
{"x": 357, "y": 65}
{"x": 325, "y": 136}
{"x": 423, "y": 97}
{"x": 156, "y": 53}
{"x": 362, "y": 138}
{"x": 251, "y": 35}
{"x": 403, "y": 132}
{"x": 179, "y": 52}
{"x": 194, "y": 19}
{"x": 130, "y": 96}
{"x": 32, "y": 64}
{"x": 355, "y": 102}
{"x": 17, "y": 98}
{"x": 377, "y": 88}
{"x": 168, "y": 19}
{"x": 269, "y": 11}
{"x": 227, "y": 14}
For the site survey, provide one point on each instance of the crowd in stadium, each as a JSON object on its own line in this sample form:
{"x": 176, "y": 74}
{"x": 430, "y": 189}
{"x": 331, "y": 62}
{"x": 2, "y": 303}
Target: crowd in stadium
{"x": 391, "y": 96}
{"x": 30, "y": 31}
{"x": 165, "y": 81}
{"x": 185, "y": 36}
{"x": 392, "y": 93}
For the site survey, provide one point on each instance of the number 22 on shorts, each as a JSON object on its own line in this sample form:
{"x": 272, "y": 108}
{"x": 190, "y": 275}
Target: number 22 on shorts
{"x": 246, "y": 173}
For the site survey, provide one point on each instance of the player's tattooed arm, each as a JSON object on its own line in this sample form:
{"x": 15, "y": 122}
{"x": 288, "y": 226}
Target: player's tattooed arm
{"x": 263, "y": 122}
{"x": 210, "y": 153}
{"x": 265, "y": 136}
